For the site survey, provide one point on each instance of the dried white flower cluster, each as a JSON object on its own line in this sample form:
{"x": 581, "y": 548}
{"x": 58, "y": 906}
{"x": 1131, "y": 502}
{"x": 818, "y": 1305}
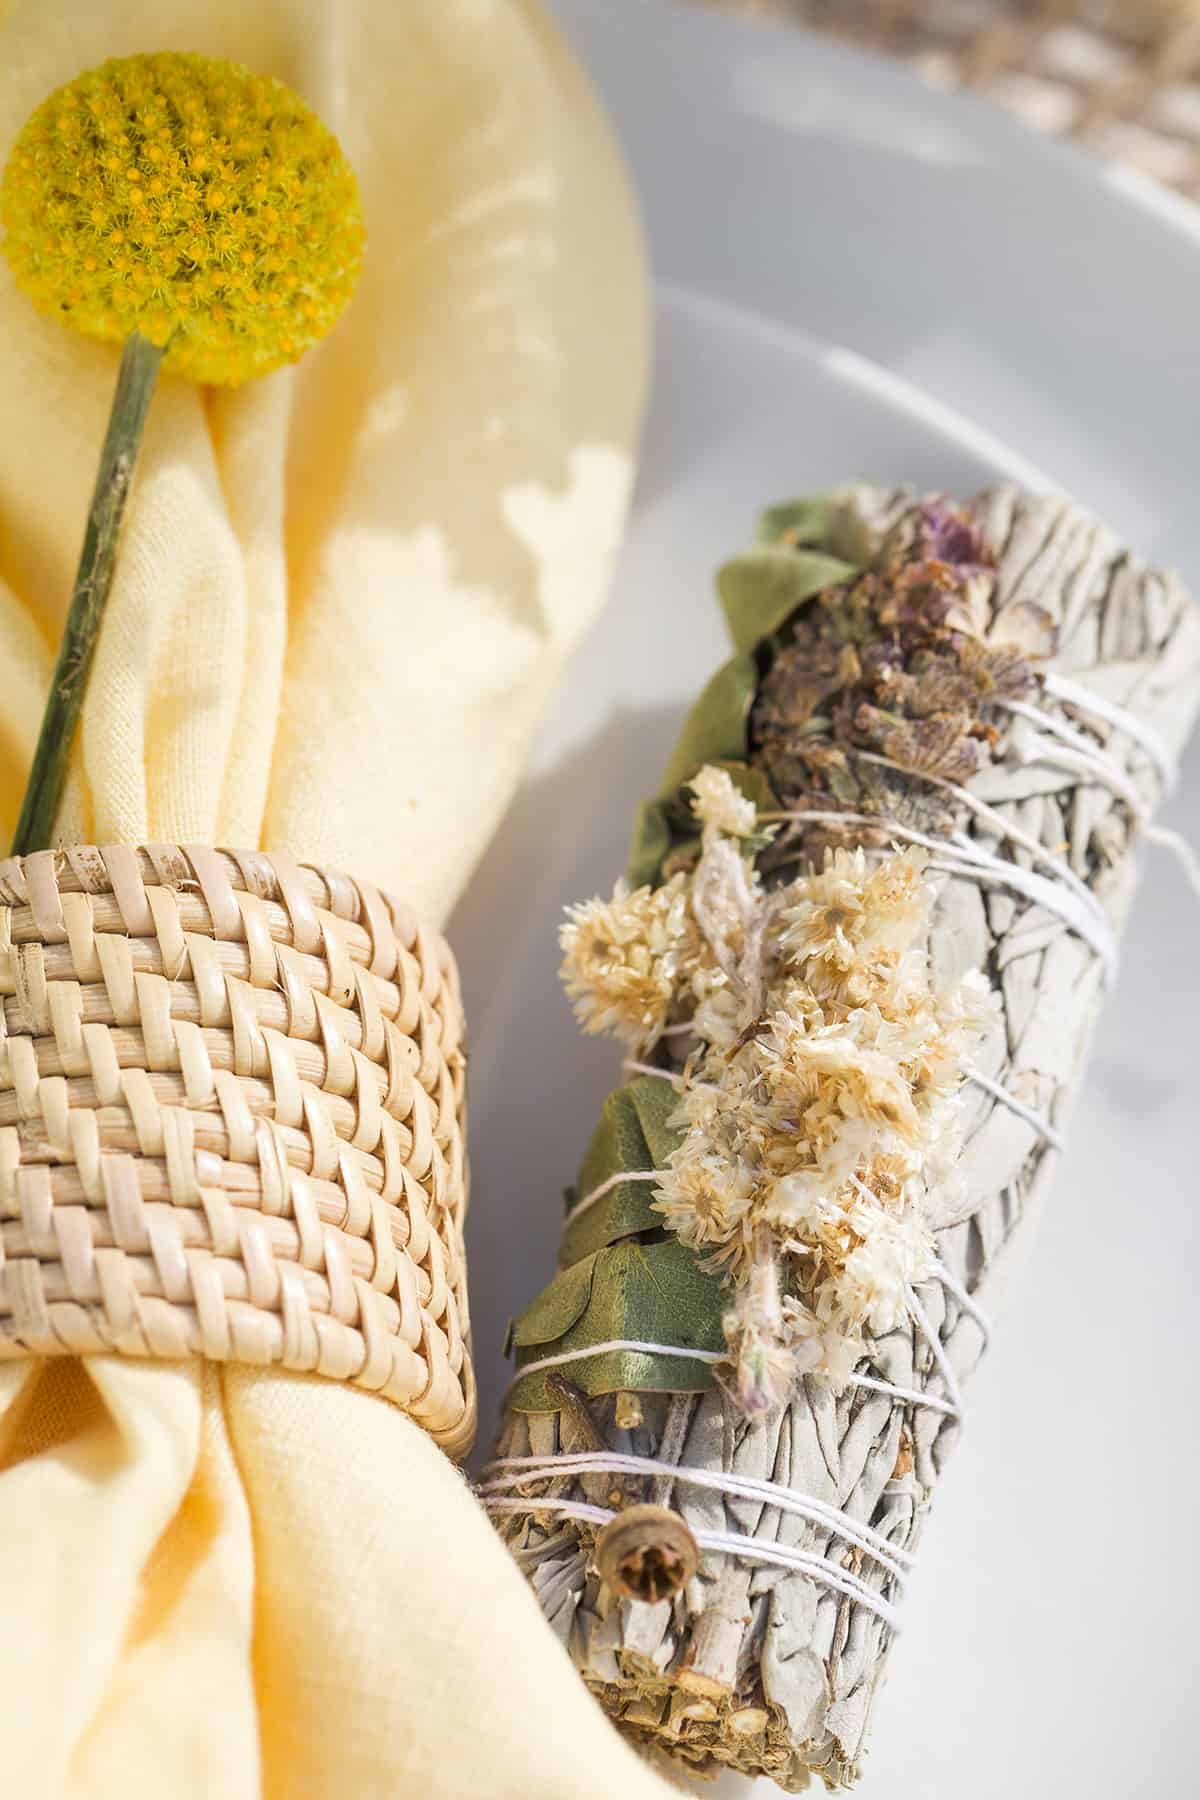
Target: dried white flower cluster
{"x": 719, "y": 806}
{"x": 624, "y": 958}
{"x": 819, "y": 1105}
{"x": 631, "y": 963}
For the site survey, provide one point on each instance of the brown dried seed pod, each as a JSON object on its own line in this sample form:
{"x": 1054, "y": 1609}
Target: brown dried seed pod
{"x": 646, "y": 1553}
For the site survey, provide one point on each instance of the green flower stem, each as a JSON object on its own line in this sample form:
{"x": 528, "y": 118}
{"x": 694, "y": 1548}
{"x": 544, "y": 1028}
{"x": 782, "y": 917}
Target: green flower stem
{"x": 60, "y": 721}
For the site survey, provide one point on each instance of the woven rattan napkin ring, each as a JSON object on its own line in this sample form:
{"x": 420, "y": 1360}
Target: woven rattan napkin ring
{"x": 231, "y": 1122}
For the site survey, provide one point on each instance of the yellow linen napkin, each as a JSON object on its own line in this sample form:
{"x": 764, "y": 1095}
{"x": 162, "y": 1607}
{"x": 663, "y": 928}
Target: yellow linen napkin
{"x": 345, "y": 593}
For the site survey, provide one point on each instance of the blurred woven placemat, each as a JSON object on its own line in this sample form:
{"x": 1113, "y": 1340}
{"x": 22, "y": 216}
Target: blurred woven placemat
{"x": 1121, "y": 75}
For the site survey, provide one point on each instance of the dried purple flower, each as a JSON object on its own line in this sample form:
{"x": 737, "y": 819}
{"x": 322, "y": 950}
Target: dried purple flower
{"x": 897, "y": 663}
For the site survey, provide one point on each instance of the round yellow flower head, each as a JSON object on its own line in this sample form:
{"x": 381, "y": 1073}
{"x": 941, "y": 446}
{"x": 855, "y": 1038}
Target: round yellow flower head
{"x": 191, "y": 201}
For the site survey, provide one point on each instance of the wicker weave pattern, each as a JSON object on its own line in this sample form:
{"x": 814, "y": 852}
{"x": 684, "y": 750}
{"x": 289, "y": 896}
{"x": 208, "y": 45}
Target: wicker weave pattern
{"x": 231, "y": 1123}
{"x": 1122, "y": 76}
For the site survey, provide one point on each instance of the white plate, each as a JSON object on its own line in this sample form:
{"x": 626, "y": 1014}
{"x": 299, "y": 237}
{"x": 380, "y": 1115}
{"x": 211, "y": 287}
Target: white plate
{"x": 851, "y": 269}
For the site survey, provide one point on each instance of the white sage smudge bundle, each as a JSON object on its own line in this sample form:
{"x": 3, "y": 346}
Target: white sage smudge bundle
{"x": 868, "y": 923}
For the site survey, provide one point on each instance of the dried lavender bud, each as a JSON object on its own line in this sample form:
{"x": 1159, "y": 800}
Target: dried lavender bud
{"x": 895, "y": 664}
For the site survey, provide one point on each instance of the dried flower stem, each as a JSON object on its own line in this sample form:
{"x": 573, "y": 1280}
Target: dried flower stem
{"x": 60, "y": 721}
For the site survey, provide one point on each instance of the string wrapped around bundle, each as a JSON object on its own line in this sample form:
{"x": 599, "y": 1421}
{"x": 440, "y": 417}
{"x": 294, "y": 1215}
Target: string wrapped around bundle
{"x": 867, "y": 927}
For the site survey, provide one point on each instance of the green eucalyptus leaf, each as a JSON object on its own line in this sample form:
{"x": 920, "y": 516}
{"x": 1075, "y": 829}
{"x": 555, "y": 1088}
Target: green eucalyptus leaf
{"x": 665, "y": 826}
{"x": 762, "y": 588}
{"x": 808, "y": 520}
{"x": 618, "y": 1143}
{"x": 651, "y": 842}
{"x": 650, "y": 1293}
{"x": 632, "y": 1134}
{"x": 715, "y": 729}
{"x": 626, "y": 1211}
{"x": 656, "y": 1102}
{"x": 556, "y": 1308}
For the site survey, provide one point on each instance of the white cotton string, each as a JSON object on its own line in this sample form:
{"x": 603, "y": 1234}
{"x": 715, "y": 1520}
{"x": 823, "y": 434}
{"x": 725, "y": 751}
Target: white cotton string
{"x": 674, "y": 1076}
{"x": 1085, "y": 699}
{"x": 931, "y": 1337}
{"x": 1069, "y": 749}
{"x": 515, "y": 1470}
{"x": 965, "y": 846}
{"x": 630, "y": 1067}
{"x": 1042, "y": 1126}
{"x": 953, "y": 1286}
{"x": 913, "y": 1396}
{"x": 1077, "y": 906}
{"x": 938, "y": 1350}
{"x": 632, "y": 1344}
{"x": 1089, "y": 760}
{"x": 561, "y": 1357}
{"x": 573, "y": 1509}
{"x": 730, "y": 1543}
{"x": 959, "y": 856}
{"x": 606, "y": 1187}
{"x": 1088, "y": 924}
{"x": 1184, "y": 853}
{"x": 1003, "y": 827}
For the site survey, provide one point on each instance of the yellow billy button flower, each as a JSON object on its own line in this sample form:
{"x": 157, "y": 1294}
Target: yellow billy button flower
{"x": 204, "y": 207}
{"x": 206, "y": 219}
